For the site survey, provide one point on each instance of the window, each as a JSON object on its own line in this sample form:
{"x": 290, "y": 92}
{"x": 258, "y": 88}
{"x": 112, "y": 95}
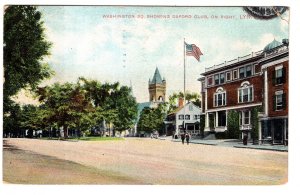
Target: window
{"x": 245, "y": 117}
{"x": 248, "y": 71}
{"x": 190, "y": 107}
{"x": 196, "y": 116}
{"x": 242, "y": 72}
{"x": 228, "y": 76}
{"x": 279, "y": 76}
{"x": 217, "y": 79}
{"x": 245, "y": 93}
{"x": 187, "y": 117}
{"x": 235, "y": 75}
{"x": 279, "y": 100}
{"x": 222, "y": 78}
{"x": 180, "y": 117}
{"x": 220, "y": 97}
{"x": 209, "y": 81}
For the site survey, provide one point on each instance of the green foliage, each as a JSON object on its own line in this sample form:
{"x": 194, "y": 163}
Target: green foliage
{"x": 152, "y": 119}
{"x": 67, "y": 105}
{"x": 101, "y": 138}
{"x": 23, "y": 52}
{"x": 113, "y": 103}
{"x": 173, "y": 99}
{"x": 87, "y": 103}
{"x": 12, "y": 119}
{"x": 233, "y": 129}
{"x": 24, "y": 49}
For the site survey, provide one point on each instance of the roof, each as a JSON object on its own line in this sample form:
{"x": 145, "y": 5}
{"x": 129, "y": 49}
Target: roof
{"x": 156, "y": 77}
{"x": 143, "y": 105}
{"x": 176, "y": 110}
{"x": 272, "y": 45}
{"x": 179, "y": 108}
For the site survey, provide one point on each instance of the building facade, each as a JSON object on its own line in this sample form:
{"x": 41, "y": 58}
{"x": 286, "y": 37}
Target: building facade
{"x": 257, "y": 80}
{"x": 275, "y": 70}
{"x": 184, "y": 118}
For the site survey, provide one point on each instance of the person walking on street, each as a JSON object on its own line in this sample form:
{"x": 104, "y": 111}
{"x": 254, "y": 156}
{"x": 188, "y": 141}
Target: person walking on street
{"x": 182, "y": 137}
{"x": 187, "y": 138}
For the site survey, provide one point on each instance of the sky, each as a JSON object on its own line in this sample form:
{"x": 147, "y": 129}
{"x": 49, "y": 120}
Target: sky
{"x": 85, "y": 43}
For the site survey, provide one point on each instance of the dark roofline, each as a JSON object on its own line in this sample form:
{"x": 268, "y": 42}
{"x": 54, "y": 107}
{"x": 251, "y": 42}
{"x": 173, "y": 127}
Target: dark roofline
{"x": 232, "y": 65}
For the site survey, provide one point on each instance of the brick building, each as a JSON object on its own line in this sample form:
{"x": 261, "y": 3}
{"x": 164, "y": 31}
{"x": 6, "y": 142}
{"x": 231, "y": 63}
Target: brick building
{"x": 259, "y": 80}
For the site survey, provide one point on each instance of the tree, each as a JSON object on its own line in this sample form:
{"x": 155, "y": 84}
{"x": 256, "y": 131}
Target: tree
{"x": 12, "y": 121}
{"x": 233, "y": 127}
{"x": 24, "y": 49}
{"x": 152, "y": 119}
{"x": 68, "y": 105}
{"x": 146, "y": 121}
{"x": 189, "y": 97}
{"x": 126, "y": 108}
{"x": 113, "y": 103}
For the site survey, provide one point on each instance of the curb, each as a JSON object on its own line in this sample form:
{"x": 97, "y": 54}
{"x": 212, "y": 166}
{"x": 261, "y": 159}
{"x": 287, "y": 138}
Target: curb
{"x": 270, "y": 149}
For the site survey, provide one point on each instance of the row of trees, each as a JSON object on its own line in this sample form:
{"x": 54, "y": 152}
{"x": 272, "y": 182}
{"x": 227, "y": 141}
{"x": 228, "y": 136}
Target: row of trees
{"x": 79, "y": 106}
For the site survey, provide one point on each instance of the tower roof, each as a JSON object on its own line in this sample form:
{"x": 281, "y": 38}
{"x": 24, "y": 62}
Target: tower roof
{"x": 272, "y": 45}
{"x": 156, "y": 77}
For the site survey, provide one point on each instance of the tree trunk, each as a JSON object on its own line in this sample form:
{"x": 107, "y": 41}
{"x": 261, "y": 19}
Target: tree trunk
{"x": 66, "y": 131}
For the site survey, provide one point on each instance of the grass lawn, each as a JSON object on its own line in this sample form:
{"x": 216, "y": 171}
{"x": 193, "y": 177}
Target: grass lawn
{"x": 99, "y": 138}
{"x": 89, "y": 138}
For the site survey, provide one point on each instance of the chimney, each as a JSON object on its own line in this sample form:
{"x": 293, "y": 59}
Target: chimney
{"x": 180, "y": 102}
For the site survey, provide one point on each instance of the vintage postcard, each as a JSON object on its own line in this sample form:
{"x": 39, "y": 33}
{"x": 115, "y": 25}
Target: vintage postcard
{"x": 145, "y": 95}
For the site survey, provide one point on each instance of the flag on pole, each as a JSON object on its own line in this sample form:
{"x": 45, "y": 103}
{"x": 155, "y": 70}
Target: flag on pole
{"x": 193, "y": 50}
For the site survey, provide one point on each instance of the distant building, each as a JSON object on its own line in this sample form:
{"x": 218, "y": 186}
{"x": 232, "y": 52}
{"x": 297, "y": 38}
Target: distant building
{"x": 184, "y": 118}
{"x": 157, "y": 95}
{"x": 255, "y": 80}
{"x": 157, "y": 88}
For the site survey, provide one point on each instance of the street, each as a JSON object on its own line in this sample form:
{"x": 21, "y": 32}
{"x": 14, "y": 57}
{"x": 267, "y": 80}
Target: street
{"x": 138, "y": 161}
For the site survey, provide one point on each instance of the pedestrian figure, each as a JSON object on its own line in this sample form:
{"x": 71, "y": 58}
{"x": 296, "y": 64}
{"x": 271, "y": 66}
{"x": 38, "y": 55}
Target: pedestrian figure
{"x": 182, "y": 137}
{"x": 187, "y": 137}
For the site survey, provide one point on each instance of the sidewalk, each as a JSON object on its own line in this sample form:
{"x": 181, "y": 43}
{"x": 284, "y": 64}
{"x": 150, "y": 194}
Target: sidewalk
{"x": 236, "y": 144}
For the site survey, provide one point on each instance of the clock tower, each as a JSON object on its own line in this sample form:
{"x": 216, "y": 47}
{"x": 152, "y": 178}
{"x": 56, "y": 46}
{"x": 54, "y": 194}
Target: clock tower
{"x": 157, "y": 88}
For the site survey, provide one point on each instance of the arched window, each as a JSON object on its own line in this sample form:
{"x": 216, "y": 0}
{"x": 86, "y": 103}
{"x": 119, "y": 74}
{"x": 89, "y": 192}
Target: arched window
{"x": 220, "y": 97}
{"x": 160, "y": 99}
{"x": 245, "y": 92}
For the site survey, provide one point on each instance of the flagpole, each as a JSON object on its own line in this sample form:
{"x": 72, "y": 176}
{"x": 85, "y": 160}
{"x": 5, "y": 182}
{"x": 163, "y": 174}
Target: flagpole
{"x": 184, "y": 83}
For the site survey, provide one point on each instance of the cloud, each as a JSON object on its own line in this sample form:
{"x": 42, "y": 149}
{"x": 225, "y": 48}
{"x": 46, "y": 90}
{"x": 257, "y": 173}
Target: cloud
{"x": 129, "y": 50}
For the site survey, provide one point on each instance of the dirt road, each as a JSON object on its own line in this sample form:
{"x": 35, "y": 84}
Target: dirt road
{"x": 138, "y": 161}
